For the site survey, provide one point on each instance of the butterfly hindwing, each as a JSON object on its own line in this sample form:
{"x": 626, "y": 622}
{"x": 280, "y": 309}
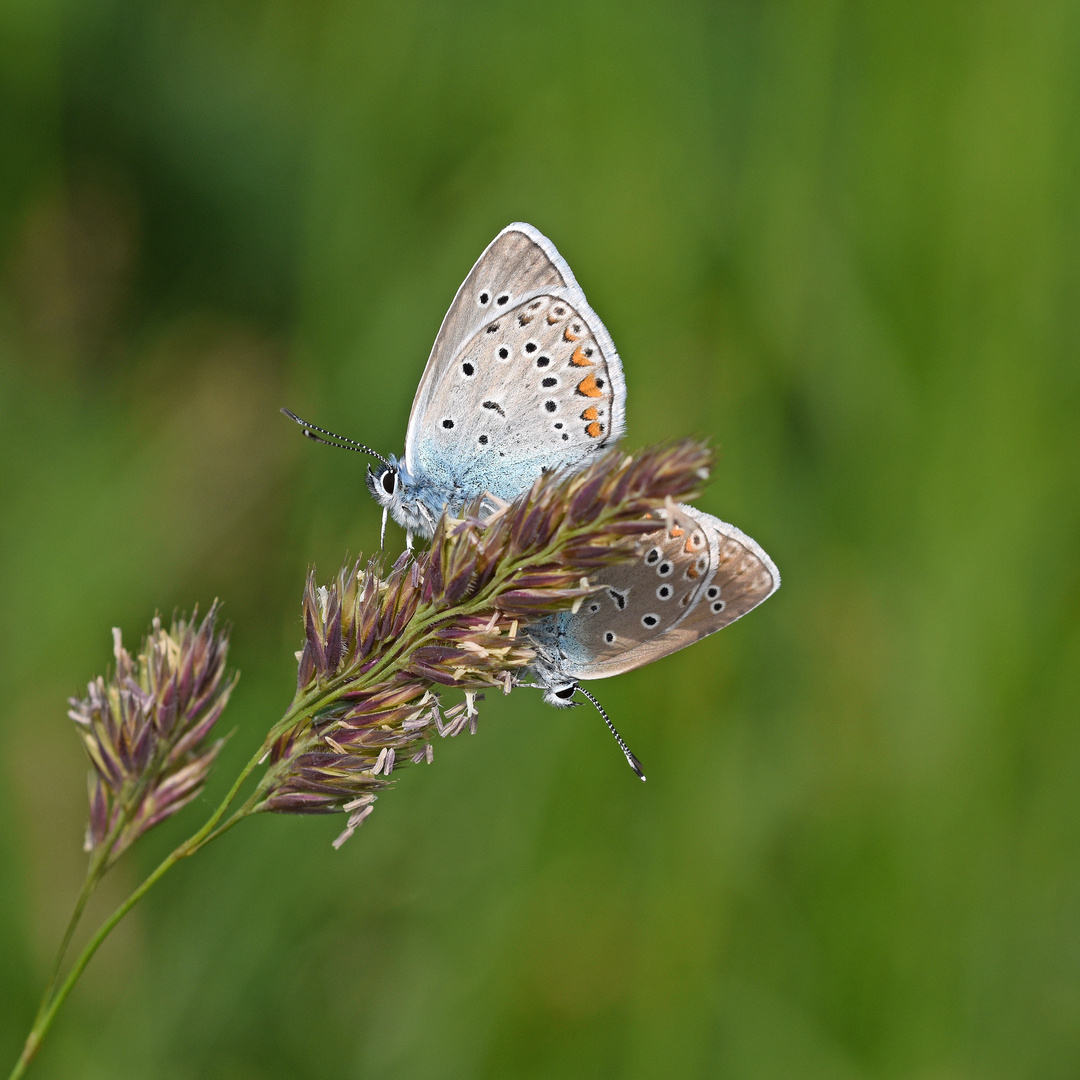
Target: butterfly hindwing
{"x": 523, "y": 376}
{"x": 690, "y": 580}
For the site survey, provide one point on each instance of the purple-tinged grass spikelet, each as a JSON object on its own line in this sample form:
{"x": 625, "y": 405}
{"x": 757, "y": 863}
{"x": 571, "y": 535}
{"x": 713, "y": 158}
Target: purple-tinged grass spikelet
{"x": 145, "y": 729}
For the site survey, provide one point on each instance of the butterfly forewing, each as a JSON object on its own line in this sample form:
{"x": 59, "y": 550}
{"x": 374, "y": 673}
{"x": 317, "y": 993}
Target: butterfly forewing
{"x": 687, "y": 583}
{"x": 523, "y": 376}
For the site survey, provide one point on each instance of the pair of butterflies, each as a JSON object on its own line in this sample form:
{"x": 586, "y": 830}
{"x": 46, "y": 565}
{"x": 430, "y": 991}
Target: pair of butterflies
{"x": 523, "y": 378}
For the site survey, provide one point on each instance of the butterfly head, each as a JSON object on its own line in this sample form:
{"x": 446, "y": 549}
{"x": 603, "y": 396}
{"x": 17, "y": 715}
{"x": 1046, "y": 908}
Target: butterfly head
{"x": 547, "y": 668}
{"x": 393, "y": 489}
{"x": 384, "y": 483}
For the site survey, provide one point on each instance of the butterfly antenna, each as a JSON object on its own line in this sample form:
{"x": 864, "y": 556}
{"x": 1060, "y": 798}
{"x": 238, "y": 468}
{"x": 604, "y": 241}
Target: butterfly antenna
{"x": 634, "y": 763}
{"x": 342, "y": 443}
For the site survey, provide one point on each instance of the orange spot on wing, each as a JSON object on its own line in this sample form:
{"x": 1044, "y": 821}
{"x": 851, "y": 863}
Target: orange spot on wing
{"x": 588, "y": 387}
{"x": 676, "y": 531}
{"x": 594, "y": 429}
{"x": 552, "y": 320}
{"x": 688, "y": 547}
{"x": 569, "y": 335}
{"x": 590, "y": 413}
{"x": 580, "y": 359}
{"x": 692, "y": 573}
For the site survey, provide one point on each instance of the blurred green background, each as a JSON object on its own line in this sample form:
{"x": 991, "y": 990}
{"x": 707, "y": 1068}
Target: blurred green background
{"x": 840, "y": 239}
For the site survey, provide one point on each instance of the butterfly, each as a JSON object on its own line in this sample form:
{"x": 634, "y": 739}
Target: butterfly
{"x": 690, "y": 578}
{"x": 523, "y": 378}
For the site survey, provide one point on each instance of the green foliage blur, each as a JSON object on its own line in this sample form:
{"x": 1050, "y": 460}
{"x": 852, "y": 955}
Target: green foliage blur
{"x": 842, "y": 241}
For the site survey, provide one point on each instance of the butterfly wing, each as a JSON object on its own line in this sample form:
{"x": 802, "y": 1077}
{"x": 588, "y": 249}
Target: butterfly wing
{"x": 688, "y": 583}
{"x": 523, "y": 376}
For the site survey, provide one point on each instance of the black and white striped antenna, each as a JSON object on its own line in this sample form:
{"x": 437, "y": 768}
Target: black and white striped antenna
{"x": 631, "y": 759}
{"x": 342, "y": 443}
{"x": 567, "y": 693}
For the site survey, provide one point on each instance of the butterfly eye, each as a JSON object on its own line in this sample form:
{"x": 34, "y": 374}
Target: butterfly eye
{"x": 566, "y": 693}
{"x": 389, "y": 481}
